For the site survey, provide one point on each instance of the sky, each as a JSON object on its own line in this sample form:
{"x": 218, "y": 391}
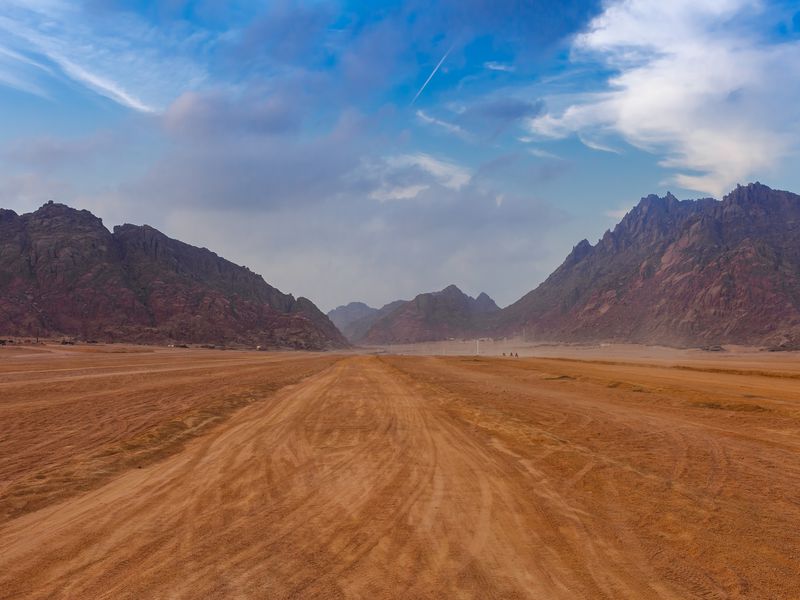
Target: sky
{"x": 374, "y": 150}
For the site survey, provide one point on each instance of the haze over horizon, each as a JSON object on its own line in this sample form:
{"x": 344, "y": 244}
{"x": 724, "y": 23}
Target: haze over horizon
{"x": 349, "y": 152}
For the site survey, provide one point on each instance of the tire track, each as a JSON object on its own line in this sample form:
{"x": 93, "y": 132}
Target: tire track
{"x": 402, "y": 478}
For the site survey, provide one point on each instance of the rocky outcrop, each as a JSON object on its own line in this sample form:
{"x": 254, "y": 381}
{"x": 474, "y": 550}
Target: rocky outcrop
{"x": 62, "y": 273}
{"x": 442, "y": 315}
{"x": 677, "y": 272}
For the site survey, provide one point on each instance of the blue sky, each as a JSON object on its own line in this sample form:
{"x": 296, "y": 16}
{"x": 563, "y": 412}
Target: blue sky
{"x": 371, "y": 151}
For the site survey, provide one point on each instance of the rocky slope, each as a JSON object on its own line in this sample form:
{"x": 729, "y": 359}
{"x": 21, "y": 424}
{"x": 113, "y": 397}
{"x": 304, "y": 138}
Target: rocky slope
{"x": 63, "y": 273}
{"x": 679, "y": 273}
{"x": 449, "y": 313}
{"x": 355, "y": 319}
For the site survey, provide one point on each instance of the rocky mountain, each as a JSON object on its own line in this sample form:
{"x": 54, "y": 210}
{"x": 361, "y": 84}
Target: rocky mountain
{"x": 62, "y": 273}
{"x": 449, "y": 313}
{"x": 677, "y": 272}
{"x": 356, "y": 318}
{"x": 344, "y": 315}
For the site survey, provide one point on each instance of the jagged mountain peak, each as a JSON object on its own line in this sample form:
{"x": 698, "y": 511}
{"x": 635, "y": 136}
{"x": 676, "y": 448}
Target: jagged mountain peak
{"x": 678, "y": 272}
{"x": 484, "y": 304}
{"x": 450, "y": 290}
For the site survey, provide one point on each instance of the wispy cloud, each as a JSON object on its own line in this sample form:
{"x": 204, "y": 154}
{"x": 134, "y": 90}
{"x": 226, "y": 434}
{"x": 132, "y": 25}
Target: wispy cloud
{"x": 22, "y": 72}
{"x": 116, "y": 56}
{"x": 696, "y": 81}
{"x": 105, "y": 87}
{"x": 397, "y": 192}
{"x": 498, "y": 66}
{"x": 596, "y": 145}
{"x": 446, "y": 125}
{"x": 539, "y": 153}
{"x": 449, "y": 174}
{"x": 406, "y": 176}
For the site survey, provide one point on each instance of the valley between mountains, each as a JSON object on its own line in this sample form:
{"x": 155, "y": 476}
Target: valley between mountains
{"x": 140, "y": 460}
{"x": 683, "y": 273}
{"x": 407, "y": 300}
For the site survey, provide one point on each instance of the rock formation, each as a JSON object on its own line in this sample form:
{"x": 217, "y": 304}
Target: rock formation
{"x": 693, "y": 272}
{"x": 62, "y": 273}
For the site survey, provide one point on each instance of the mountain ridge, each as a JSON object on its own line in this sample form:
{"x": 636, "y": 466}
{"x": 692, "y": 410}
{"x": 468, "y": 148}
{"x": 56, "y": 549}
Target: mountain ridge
{"x": 355, "y": 319}
{"x": 431, "y": 316}
{"x": 673, "y": 272}
{"x": 63, "y": 273}
{"x": 677, "y": 272}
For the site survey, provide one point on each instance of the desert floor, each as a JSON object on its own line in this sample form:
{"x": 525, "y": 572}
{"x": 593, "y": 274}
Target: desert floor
{"x": 617, "y": 472}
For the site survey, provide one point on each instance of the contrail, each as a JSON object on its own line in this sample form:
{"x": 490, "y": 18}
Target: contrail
{"x": 436, "y": 68}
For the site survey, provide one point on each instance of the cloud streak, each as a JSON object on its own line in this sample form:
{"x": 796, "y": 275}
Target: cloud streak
{"x": 115, "y": 55}
{"x": 446, "y": 125}
{"x": 406, "y": 176}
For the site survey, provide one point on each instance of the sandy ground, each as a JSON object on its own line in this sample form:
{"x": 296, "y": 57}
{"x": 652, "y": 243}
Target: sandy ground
{"x": 205, "y": 474}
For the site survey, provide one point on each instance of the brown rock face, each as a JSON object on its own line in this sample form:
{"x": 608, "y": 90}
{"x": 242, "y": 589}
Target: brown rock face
{"x": 449, "y": 313}
{"x": 63, "y": 273}
{"x": 677, "y": 272}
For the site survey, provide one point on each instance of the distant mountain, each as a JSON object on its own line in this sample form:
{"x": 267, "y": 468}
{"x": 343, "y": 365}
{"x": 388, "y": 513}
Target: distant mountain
{"x": 344, "y": 315}
{"x": 676, "y": 272}
{"x": 63, "y": 273}
{"x": 355, "y": 319}
{"x": 449, "y": 313}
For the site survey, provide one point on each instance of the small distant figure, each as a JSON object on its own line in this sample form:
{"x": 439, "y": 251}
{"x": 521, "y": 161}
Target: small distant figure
{"x": 504, "y": 353}
{"x": 516, "y": 355}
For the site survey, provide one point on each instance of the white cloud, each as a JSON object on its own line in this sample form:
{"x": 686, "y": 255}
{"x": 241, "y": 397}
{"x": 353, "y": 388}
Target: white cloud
{"x": 696, "y": 82}
{"x": 498, "y": 66}
{"x": 448, "y": 174}
{"x": 539, "y": 153}
{"x": 406, "y": 176}
{"x": 596, "y": 145}
{"x": 105, "y": 87}
{"x": 450, "y": 127}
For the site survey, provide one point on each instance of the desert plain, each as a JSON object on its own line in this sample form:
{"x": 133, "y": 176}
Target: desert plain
{"x": 605, "y": 472}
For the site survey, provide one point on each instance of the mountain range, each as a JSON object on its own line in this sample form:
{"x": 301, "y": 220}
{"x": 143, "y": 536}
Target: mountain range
{"x": 684, "y": 273}
{"x": 695, "y": 272}
{"x": 429, "y": 316}
{"x": 62, "y": 273}
{"x": 355, "y": 319}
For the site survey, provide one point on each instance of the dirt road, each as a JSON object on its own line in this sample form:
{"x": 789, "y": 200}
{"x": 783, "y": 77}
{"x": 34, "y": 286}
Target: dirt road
{"x": 416, "y": 477}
